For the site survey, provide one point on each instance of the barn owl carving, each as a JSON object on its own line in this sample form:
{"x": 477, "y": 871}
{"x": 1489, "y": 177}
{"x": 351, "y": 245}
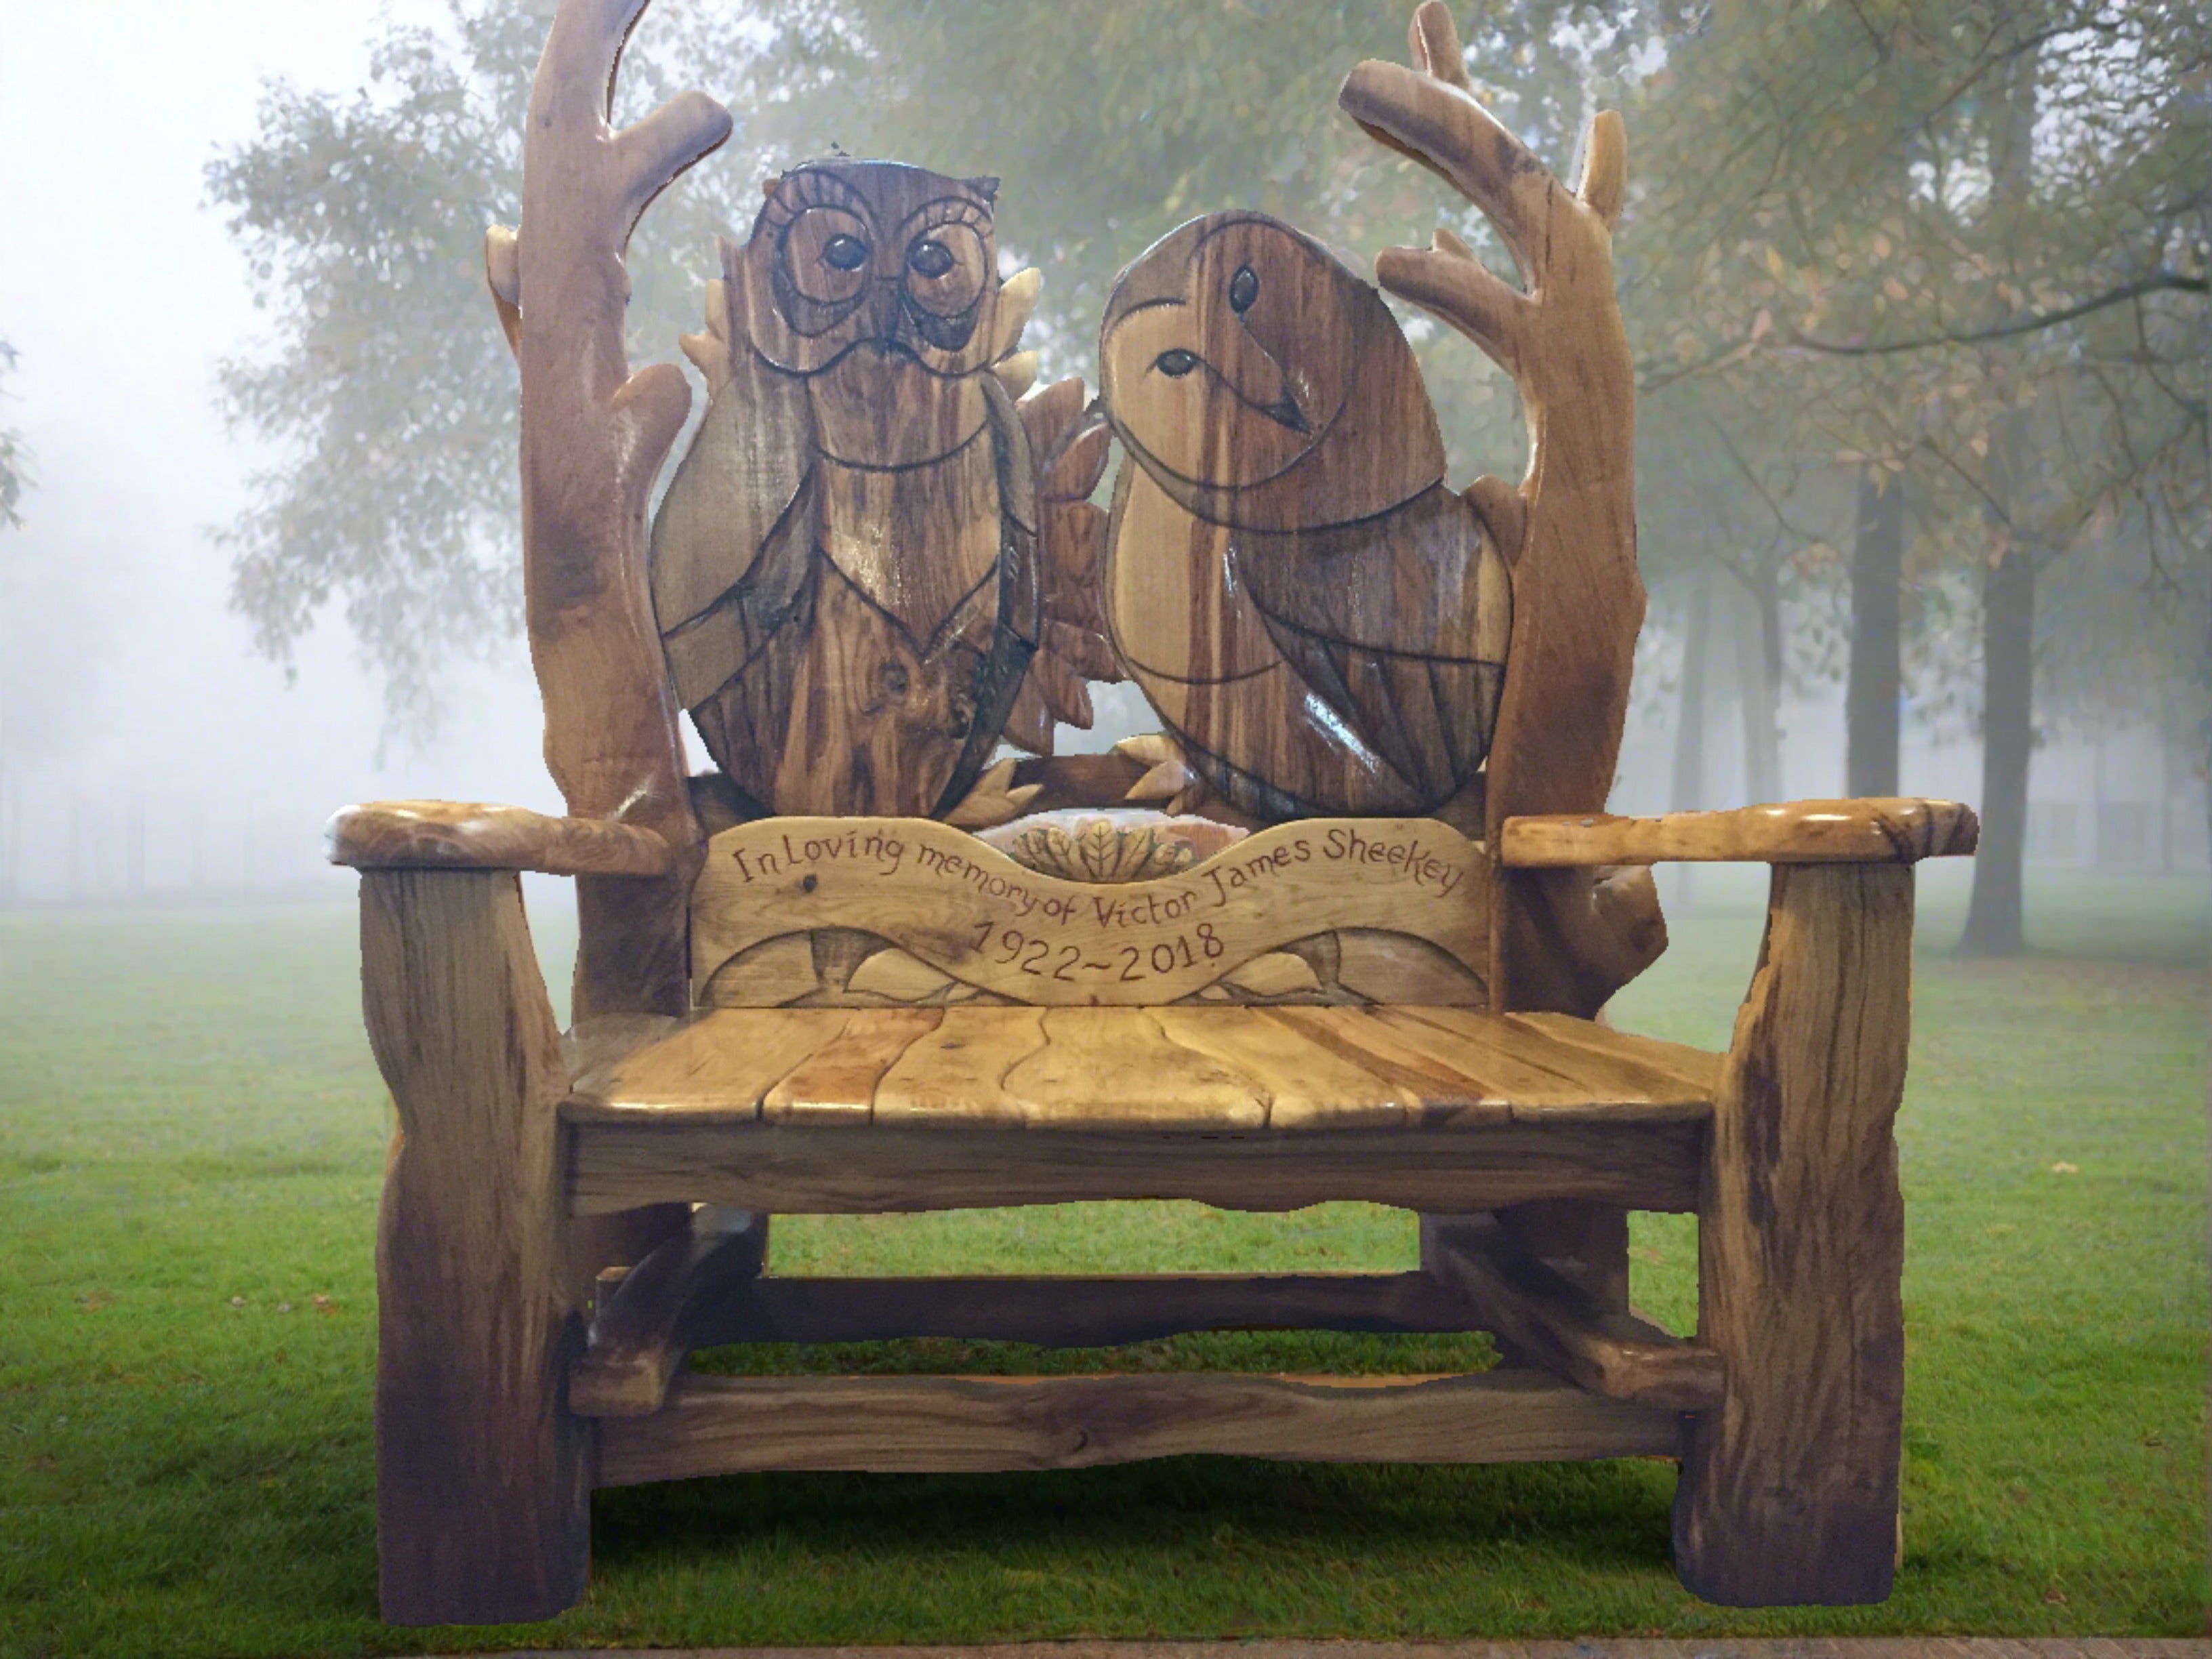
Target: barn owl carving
{"x": 845, "y": 571}
{"x": 1320, "y": 622}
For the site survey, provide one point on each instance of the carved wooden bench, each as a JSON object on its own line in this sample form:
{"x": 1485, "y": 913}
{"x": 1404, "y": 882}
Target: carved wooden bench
{"x": 854, "y": 972}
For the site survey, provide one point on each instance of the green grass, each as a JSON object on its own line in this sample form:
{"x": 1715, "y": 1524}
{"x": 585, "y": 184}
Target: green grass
{"x": 190, "y": 1138}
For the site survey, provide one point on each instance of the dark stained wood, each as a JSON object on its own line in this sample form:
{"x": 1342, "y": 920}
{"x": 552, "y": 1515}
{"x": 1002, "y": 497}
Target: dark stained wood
{"x": 443, "y": 834}
{"x": 1890, "y": 831}
{"x": 1570, "y": 529}
{"x": 480, "y": 1483}
{"x": 726, "y": 1424}
{"x": 845, "y": 569}
{"x": 664, "y": 1307}
{"x": 593, "y": 439}
{"x": 1319, "y": 621}
{"x": 1789, "y": 1492}
{"x": 1549, "y": 1320}
{"x": 788, "y": 1169}
{"x": 1069, "y": 1312}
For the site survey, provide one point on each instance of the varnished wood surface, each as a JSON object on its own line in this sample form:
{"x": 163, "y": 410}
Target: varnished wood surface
{"x": 444, "y": 834}
{"x": 480, "y": 1471}
{"x": 1789, "y": 1492}
{"x": 1547, "y": 1320}
{"x": 1081, "y": 1312}
{"x": 593, "y": 439}
{"x": 1876, "y": 831}
{"x": 1235, "y": 1067}
{"x": 660, "y": 1309}
{"x": 971, "y": 912}
{"x": 727, "y": 1425}
{"x": 786, "y": 1169}
{"x": 1569, "y": 530}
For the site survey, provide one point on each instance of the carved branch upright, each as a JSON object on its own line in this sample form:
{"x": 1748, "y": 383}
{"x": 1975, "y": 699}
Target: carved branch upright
{"x": 593, "y": 439}
{"x": 1565, "y": 941}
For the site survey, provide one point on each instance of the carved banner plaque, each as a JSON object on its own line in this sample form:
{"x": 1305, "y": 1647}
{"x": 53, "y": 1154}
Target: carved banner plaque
{"x": 967, "y": 909}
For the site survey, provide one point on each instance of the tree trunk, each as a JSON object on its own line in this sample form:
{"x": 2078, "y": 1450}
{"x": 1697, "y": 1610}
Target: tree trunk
{"x": 1994, "y": 915}
{"x": 1758, "y": 676}
{"x": 1876, "y": 682}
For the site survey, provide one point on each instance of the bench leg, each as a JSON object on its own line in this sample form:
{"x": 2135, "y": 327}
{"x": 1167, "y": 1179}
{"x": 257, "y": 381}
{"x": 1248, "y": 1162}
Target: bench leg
{"x": 482, "y": 1476}
{"x": 1788, "y": 1492}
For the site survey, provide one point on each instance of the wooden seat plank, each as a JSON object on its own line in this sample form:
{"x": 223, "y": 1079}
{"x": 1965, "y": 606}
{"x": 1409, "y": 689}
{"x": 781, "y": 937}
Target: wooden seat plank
{"x": 1101, "y": 1067}
{"x": 958, "y": 1071}
{"x": 1296, "y": 1069}
{"x": 1307, "y": 1085}
{"x": 837, "y": 1082}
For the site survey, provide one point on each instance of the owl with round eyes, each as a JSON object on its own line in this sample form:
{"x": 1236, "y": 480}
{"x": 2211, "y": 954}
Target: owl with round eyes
{"x": 846, "y": 570}
{"x": 1318, "y": 619}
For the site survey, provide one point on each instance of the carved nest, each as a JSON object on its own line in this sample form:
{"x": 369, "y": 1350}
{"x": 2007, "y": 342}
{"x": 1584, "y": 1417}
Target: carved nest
{"x": 1109, "y": 846}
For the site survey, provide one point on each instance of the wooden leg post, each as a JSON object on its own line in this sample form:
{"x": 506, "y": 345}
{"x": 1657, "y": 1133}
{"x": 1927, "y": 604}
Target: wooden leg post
{"x": 1788, "y": 1492}
{"x": 481, "y": 1477}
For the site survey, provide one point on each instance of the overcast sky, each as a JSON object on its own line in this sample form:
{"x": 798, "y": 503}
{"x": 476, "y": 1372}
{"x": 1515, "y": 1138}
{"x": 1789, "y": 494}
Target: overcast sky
{"x": 121, "y": 290}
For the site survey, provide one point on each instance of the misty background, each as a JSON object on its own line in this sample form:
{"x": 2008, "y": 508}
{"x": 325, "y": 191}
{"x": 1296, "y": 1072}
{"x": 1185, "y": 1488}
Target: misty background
{"x": 1917, "y": 294}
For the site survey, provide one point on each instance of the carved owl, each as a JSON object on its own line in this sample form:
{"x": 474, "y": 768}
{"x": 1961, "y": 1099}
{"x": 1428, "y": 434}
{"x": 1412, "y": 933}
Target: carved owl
{"x": 1320, "y": 620}
{"x": 845, "y": 570}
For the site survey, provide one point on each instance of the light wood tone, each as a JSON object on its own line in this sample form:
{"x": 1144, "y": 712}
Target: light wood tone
{"x": 1196, "y": 1067}
{"x": 1077, "y": 1312}
{"x": 481, "y": 1482}
{"x": 1091, "y": 848}
{"x": 593, "y": 439}
{"x": 1569, "y": 530}
{"x": 1548, "y": 1320}
{"x": 1319, "y": 621}
{"x": 836, "y": 1082}
{"x": 1378, "y": 967}
{"x": 1789, "y": 1492}
{"x": 914, "y": 1424}
{"x": 814, "y": 1170}
{"x": 1897, "y": 831}
{"x": 443, "y": 834}
{"x": 660, "y": 1311}
{"x": 966, "y": 908}
{"x": 845, "y": 567}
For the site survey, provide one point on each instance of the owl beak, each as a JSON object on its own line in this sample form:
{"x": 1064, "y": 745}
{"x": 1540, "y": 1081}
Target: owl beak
{"x": 887, "y": 317}
{"x": 1285, "y": 412}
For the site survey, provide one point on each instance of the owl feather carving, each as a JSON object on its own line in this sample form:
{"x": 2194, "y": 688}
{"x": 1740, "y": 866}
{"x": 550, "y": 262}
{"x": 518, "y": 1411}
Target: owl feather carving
{"x": 846, "y": 570}
{"x": 1318, "y": 619}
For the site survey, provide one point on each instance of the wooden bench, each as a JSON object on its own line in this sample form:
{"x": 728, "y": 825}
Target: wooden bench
{"x": 854, "y": 972}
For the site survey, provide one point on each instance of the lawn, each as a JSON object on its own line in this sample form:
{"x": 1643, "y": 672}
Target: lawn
{"x": 192, "y": 1133}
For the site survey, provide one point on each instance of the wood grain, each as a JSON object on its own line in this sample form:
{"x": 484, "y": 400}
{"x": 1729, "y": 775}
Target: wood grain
{"x": 1789, "y": 1492}
{"x": 480, "y": 1483}
{"x": 1569, "y": 530}
{"x": 912, "y": 1424}
{"x": 593, "y": 440}
{"x": 442, "y": 834}
{"x": 787, "y": 1170}
{"x": 1548, "y": 1320}
{"x": 1890, "y": 831}
{"x": 662, "y": 1308}
{"x": 968, "y": 910}
{"x": 1077, "y": 1312}
{"x": 1228, "y": 1067}
{"x": 1321, "y": 623}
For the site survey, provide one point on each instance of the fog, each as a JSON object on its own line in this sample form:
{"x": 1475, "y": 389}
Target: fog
{"x": 150, "y": 749}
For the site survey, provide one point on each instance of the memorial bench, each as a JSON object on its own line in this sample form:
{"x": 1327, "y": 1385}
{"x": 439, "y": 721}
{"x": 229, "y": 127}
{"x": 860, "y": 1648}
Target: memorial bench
{"x": 874, "y": 1011}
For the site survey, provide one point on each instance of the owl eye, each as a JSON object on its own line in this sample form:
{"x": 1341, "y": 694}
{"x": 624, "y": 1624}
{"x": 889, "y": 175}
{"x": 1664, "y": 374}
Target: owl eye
{"x": 1175, "y": 364}
{"x": 825, "y": 256}
{"x": 947, "y": 267}
{"x": 1243, "y": 288}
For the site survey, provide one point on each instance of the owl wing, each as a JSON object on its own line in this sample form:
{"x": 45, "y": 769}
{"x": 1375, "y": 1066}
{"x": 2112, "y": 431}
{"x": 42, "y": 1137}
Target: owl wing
{"x": 1398, "y": 624}
{"x": 733, "y": 560}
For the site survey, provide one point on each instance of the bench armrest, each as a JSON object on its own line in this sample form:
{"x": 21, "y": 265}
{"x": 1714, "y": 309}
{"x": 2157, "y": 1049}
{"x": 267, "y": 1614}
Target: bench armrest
{"x": 441, "y": 835}
{"x": 1883, "y": 831}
